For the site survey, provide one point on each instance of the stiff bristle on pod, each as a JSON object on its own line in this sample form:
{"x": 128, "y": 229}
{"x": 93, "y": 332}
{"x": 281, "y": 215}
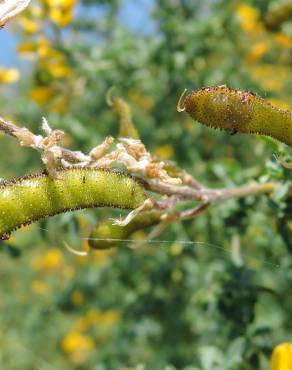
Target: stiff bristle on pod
{"x": 238, "y": 111}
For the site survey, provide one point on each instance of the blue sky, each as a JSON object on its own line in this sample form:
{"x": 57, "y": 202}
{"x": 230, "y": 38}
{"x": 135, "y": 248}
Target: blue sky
{"x": 8, "y": 44}
{"x": 134, "y": 14}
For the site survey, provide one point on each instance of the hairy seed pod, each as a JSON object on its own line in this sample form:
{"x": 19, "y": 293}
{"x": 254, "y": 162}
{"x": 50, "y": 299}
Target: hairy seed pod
{"x": 115, "y": 233}
{"x": 30, "y": 198}
{"x": 239, "y": 111}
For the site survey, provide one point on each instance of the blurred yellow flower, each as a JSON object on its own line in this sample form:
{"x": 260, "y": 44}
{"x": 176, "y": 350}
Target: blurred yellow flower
{"x": 257, "y": 51}
{"x": 77, "y": 298}
{"x": 282, "y": 357}
{"x": 270, "y": 77}
{"x": 51, "y": 260}
{"x": 59, "y": 70}
{"x": 60, "y": 3}
{"x": 39, "y": 287}
{"x": 284, "y": 40}
{"x": 61, "y": 17}
{"x": 41, "y": 47}
{"x": 61, "y": 11}
{"x": 77, "y": 346}
{"x": 8, "y": 75}
{"x": 96, "y": 317}
{"x": 28, "y": 25}
{"x": 278, "y": 103}
{"x": 27, "y": 47}
{"x": 164, "y": 151}
{"x": 41, "y": 94}
{"x": 248, "y": 17}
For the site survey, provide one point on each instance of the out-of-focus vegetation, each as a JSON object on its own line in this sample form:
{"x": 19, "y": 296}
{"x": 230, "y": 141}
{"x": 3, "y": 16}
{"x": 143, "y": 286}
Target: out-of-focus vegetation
{"x": 222, "y": 304}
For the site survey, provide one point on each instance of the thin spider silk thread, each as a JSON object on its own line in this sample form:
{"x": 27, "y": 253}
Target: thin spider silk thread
{"x": 182, "y": 242}
{"x": 185, "y": 243}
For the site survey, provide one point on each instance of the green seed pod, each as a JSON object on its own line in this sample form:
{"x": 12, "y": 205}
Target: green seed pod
{"x": 278, "y": 15}
{"x": 106, "y": 230}
{"x": 124, "y": 114}
{"x": 238, "y": 111}
{"x": 33, "y": 197}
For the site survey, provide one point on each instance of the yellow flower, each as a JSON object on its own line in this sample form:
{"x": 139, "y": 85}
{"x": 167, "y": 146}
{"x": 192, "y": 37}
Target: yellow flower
{"x": 61, "y": 17}
{"x": 8, "y": 75}
{"x": 96, "y": 317}
{"x": 284, "y": 40}
{"x": 75, "y": 341}
{"x": 59, "y": 70}
{"x": 27, "y": 47}
{"x": 258, "y": 50}
{"x": 51, "y": 260}
{"x": 28, "y": 25}
{"x": 42, "y": 48}
{"x": 278, "y": 103}
{"x": 60, "y": 3}
{"x": 248, "y": 17}
{"x": 77, "y": 346}
{"x": 164, "y": 151}
{"x": 282, "y": 357}
{"x": 61, "y": 11}
{"x": 270, "y": 77}
{"x": 41, "y": 94}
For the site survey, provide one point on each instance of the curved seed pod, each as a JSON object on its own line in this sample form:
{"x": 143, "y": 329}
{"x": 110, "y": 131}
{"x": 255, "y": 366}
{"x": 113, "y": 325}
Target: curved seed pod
{"x": 106, "y": 230}
{"x": 124, "y": 113}
{"x": 278, "y": 15}
{"x": 33, "y": 197}
{"x": 238, "y": 111}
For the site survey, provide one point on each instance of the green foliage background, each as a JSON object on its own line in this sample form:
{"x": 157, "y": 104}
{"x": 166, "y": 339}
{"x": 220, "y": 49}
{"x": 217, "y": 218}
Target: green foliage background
{"x": 222, "y": 304}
